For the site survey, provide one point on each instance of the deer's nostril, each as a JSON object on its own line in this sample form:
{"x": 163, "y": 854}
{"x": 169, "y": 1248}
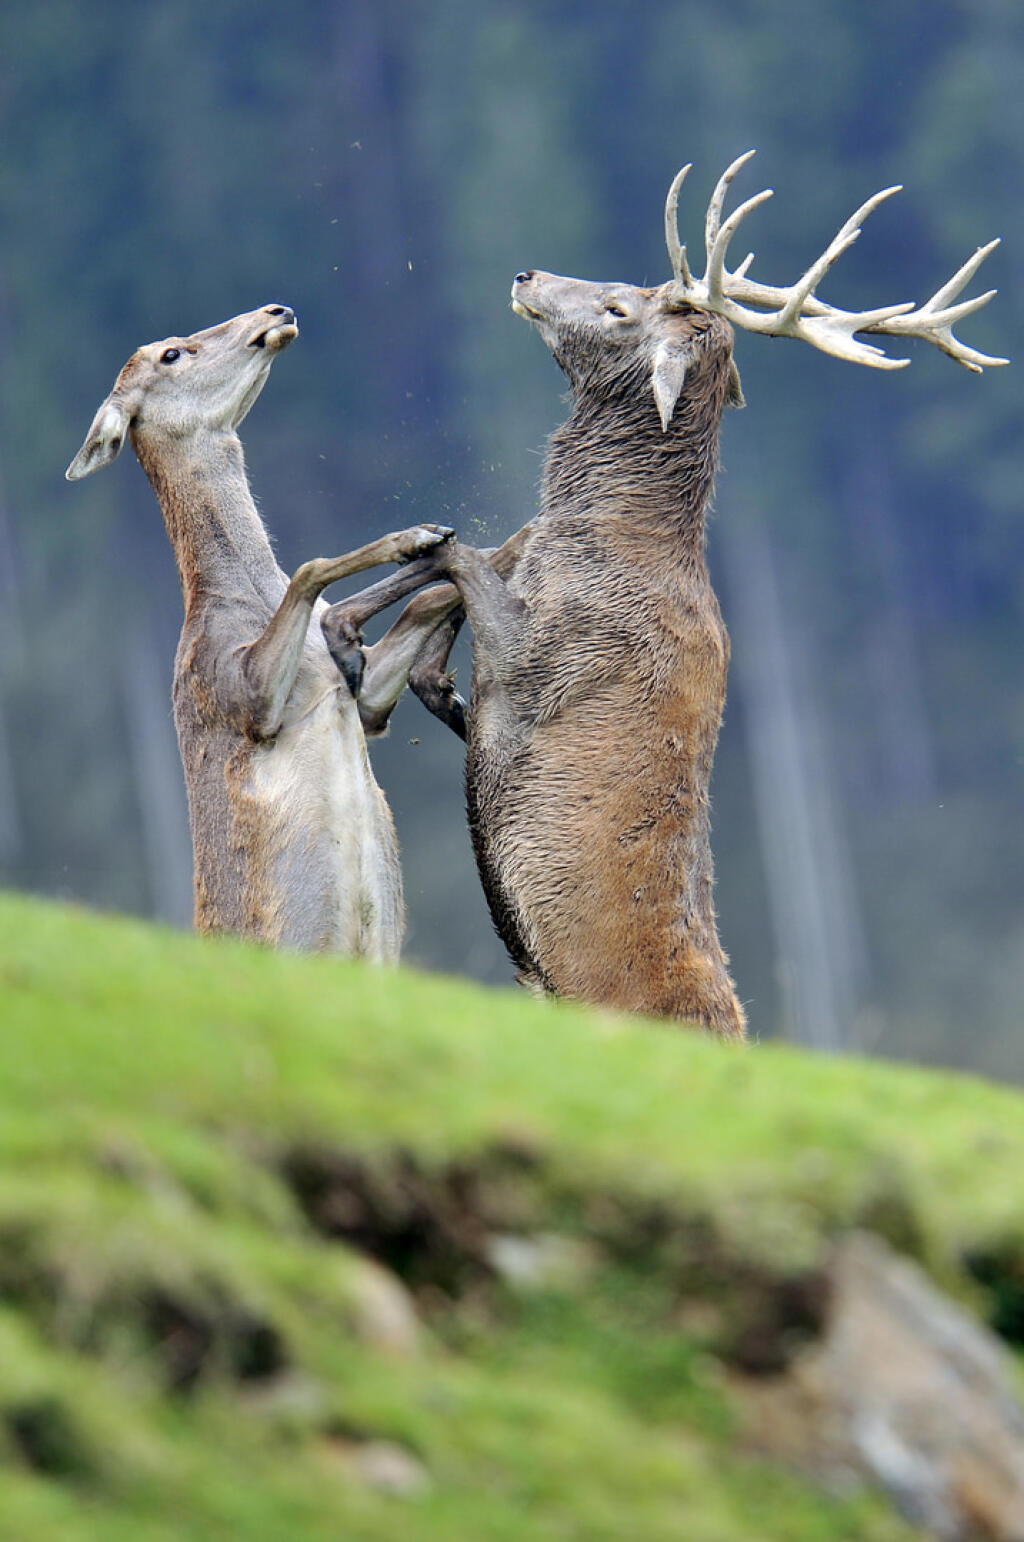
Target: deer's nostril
{"x": 281, "y": 310}
{"x": 523, "y": 278}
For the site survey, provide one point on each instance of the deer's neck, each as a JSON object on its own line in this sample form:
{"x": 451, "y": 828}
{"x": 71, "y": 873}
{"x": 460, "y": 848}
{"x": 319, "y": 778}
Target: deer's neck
{"x": 219, "y": 540}
{"x": 611, "y": 461}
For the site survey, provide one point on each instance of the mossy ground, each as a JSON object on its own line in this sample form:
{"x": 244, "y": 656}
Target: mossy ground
{"x": 199, "y": 1139}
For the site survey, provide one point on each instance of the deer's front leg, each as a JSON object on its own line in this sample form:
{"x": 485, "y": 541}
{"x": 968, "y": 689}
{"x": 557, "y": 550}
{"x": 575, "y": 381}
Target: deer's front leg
{"x": 342, "y": 624}
{"x": 389, "y": 663}
{"x": 497, "y": 616}
{"x": 268, "y": 666}
{"x": 430, "y": 680}
{"x": 415, "y": 650}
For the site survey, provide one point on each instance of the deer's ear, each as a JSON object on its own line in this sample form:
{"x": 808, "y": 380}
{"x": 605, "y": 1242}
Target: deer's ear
{"x": 104, "y": 441}
{"x": 668, "y": 373}
{"x": 734, "y": 396}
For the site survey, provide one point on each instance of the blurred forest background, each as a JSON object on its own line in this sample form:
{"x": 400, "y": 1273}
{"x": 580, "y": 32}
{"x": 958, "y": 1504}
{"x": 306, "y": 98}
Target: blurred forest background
{"x": 386, "y": 166}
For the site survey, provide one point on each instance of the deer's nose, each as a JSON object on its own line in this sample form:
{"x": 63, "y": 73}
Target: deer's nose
{"x": 524, "y": 278}
{"x": 285, "y": 312}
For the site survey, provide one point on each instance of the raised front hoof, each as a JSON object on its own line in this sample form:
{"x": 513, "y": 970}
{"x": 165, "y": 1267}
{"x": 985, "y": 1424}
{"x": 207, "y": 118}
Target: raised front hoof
{"x": 352, "y": 667}
{"x": 439, "y": 696}
{"x": 455, "y": 716}
{"x": 421, "y": 539}
{"x": 344, "y": 644}
{"x": 451, "y": 709}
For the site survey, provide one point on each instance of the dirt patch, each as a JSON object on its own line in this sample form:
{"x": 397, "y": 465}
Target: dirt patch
{"x": 428, "y": 1228}
{"x": 772, "y": 1319}
{"x": 45, "y": 1437}
{"x": 190, "y": 1340}
{"x": 433, "y": 1228}
{"x": 999, "y": 1269}
{"x": 439, "y": 1232}
{"x": 752, "y": 1316}
{"x": 197, "y": 1327}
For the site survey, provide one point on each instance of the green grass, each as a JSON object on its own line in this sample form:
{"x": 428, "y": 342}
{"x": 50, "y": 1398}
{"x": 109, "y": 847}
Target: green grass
{"x": 185, "y": 1355}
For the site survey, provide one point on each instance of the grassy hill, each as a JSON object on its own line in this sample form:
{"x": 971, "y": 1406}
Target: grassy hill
{"x": 295, "y": 1251}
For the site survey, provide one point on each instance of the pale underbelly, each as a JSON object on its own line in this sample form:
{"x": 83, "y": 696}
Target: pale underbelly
{"x": 318, "y": 842}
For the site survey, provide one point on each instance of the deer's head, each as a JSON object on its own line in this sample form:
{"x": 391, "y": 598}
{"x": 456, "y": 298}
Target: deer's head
{"x": 183, "y": 386}
{"x": 614, "y": 337}
{"x": 606, "y": 334}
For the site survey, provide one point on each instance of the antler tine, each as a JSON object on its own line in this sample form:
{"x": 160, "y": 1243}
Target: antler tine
{"x": 833, "y": 332}
{"x": 839, "y": 244}
{"x": 937, "y": 327}
{"x": 800, "y": 314}
{"x": 961, "y": 277}
{"x": 935, "y": 320}
{"x": 676, "y": 250}
{"x": 970, "y": 358}
{"x": 796, "y": 311}
{"x": 716, "y": 276}
{"x": 952, "y": 313}
{"x": 714, "y": 214}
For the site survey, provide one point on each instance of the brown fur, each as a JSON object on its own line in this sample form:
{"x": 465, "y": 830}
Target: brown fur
{"x": 600, "y": 672}
{"x": 293, "y": 841}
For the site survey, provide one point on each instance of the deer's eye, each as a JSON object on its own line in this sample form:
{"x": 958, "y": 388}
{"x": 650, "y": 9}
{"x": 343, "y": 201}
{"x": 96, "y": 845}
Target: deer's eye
{"x": 615, "y": 310}
{"x": 169, "y": 355}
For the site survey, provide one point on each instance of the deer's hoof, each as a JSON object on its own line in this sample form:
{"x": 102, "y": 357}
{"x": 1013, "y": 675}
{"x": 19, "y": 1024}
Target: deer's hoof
{"x": 426, "y": 538}
{"x": 344, "y": 644}
{"x": 351, "y": 666}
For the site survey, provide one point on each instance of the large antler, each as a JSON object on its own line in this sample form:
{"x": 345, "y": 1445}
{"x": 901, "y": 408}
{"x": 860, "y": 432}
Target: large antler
{"x": 797, "y": 311}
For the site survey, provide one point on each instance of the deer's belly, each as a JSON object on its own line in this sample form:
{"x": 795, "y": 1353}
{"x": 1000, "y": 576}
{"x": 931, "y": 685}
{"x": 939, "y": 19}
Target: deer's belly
{"x": 322, "y": 860}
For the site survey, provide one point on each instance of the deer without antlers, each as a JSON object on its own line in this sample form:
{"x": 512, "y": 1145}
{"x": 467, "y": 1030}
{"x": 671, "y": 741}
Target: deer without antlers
{"x": 293, "y": 841}
{"x": 600, "y": 656}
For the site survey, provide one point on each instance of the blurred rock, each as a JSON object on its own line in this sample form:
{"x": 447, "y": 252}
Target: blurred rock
{"x": 390, "y": 1468}
{"x": 544, "y": 1261}
{"x": 293, "y": 1397}
{"x": 383, "y": 1311}
{"x": 906, "y": 1390}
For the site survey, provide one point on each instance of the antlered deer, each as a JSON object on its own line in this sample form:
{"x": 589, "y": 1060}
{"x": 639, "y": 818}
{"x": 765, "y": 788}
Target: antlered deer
{"x": 293, "y": 840}
{"x": 600, "y": 662}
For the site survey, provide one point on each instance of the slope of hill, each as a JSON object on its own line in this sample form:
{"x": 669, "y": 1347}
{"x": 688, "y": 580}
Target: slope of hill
{"x": 295, "y": 1251}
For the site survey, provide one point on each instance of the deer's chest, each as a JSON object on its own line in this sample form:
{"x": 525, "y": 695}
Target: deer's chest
{"x": 329, "y": 853}
{"x": 625, "y": 632}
